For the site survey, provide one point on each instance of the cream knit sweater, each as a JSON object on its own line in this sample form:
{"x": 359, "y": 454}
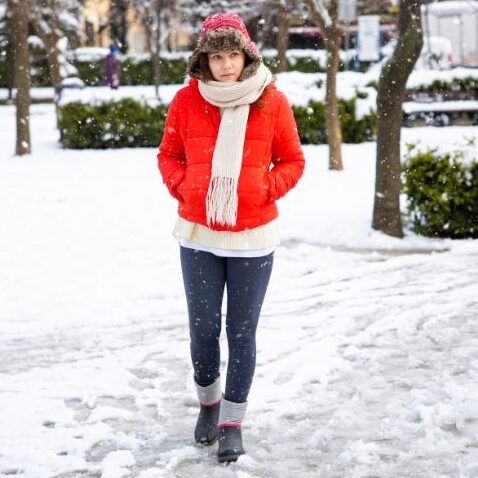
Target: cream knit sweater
{"x": 261, "y": 237}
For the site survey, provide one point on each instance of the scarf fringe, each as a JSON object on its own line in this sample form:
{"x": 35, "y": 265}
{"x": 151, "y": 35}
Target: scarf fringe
{"x": 222, "y": 201}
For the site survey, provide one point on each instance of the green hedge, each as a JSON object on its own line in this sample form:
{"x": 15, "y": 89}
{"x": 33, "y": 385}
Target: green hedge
{"x": 91, "y": 72}
{"x": 468, "y": 86}
{"x": 39, "y": 71}
{"x": 311, "y": 123}
{"x": 133, "y": 72}
{"x": 128, "y": 123}
{"x": 302, "y": 64}
{"x": 442, "y": 194}
{"x": 3, "y": 73}
{"x": 125, "y": 123}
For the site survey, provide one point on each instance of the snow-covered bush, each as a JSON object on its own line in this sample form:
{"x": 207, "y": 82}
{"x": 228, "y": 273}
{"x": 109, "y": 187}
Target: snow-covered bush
{"x": 305, "y": 64}
{"x": 171, "y": 70}
{"x": 468, "y": 85}
{"x": 311, "y": 123}
{"x": 451, "y": 89}
{"x": 442, "y": 193}
{"x": 130, "y": 123}
{"x": 120, "y": 124}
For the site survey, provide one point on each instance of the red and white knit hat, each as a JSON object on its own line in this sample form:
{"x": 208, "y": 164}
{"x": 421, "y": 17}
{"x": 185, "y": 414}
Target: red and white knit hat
{"x": 224, "y": 31}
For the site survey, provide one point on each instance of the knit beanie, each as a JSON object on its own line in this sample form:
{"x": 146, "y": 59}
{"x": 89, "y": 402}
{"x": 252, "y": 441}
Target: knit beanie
{"x": 223, "y": 31}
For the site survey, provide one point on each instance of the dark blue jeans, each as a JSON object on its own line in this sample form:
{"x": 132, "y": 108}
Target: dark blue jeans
{"x": 205, "y": 275}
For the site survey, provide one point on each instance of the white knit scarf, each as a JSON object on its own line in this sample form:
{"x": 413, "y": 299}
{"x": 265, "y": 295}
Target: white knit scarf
{"x": 235, "y": 98}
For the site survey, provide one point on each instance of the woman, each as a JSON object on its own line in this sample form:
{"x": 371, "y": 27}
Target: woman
{"x": 223, "y": 132}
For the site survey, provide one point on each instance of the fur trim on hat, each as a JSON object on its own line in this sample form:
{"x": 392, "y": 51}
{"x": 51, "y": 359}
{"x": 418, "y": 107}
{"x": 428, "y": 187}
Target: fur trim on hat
{"x": 218, "y": 40}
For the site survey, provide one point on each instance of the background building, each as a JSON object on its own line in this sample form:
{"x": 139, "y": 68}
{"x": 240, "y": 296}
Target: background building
{"x": 100, "y": 18}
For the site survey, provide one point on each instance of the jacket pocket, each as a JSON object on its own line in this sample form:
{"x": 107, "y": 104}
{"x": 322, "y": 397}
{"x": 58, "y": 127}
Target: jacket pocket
{"x": 268, "y": 189}
{"x": 179, "y": 189}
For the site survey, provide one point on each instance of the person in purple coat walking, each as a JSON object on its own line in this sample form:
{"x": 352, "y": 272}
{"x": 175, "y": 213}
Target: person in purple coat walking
{"x": 111, "y": 68}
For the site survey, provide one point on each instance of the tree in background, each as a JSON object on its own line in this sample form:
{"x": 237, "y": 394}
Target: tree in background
{"x": 249, "y": 10}
{"x": 391, "y": 89}
{"x": 325, "y": 16}
{"x": 374, "y": 7}
{"x": 118, "y": 24}
{"x": 154, "y": 15}
{"x": 282, "y": 36}
{"x": 52, "y": 20}
{"x": 18, "y": 21}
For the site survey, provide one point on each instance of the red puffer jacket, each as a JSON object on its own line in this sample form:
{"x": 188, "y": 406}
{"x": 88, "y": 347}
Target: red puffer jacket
{"x": 185, "y": 156}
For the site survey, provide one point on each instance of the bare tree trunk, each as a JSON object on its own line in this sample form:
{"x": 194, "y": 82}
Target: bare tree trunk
{"x": 45, "y": 24}
{"x": 156, "y": 70}
{"x": 50, "y": 41}
{"x": 391, "y": 89}
{"x": 334, "y": 131}
{"x": 282, "y": 37}
{"x": 332, "y": 43}
{"x": 156, "y": 48}
{"x": 19, "y": 23}
{"x": 266, "y": 30}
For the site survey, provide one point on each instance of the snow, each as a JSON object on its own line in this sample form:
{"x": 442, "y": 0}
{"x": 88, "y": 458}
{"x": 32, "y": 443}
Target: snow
{"x": 44, "y": 94}
{"x": 414, "y": 106}
{"x": 450, "y": 8}
{"x": 35, "y": 41}
{"x": 97, "y": 53}
{"x": 98, "y": 95}
{"x": 69, "y": 20}
{"x": 366, "y": 361}
{"x": 89, "y": 53}
{"x": 427, "y": 77}
{"x": 72, "y": 82}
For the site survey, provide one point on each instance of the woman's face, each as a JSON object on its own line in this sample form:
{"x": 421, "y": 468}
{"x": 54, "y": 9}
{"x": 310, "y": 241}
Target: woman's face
{"x": 226, "y": 65}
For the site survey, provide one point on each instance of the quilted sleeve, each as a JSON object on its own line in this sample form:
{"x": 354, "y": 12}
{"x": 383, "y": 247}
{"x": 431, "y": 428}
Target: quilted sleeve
{"x": 287, "y": 156}
{"x": 171, "y": 156}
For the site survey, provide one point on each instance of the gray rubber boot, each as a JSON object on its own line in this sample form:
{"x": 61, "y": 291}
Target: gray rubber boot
{"x": 206, "y": 431}
{"x": 230, "y": 431}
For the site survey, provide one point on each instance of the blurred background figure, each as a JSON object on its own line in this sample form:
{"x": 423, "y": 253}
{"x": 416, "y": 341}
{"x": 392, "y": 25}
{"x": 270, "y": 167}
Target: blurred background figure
{"x": 111, "y": 68}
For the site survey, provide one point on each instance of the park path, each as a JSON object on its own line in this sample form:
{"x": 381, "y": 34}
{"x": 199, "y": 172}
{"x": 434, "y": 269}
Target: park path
{"x": 367, "y": 367}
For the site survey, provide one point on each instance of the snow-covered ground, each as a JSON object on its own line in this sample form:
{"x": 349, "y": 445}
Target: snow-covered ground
{"x": 367, "y": 361}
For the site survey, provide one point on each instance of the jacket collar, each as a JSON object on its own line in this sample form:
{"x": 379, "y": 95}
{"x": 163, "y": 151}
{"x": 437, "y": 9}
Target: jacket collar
{"x": 194, "y": 82}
